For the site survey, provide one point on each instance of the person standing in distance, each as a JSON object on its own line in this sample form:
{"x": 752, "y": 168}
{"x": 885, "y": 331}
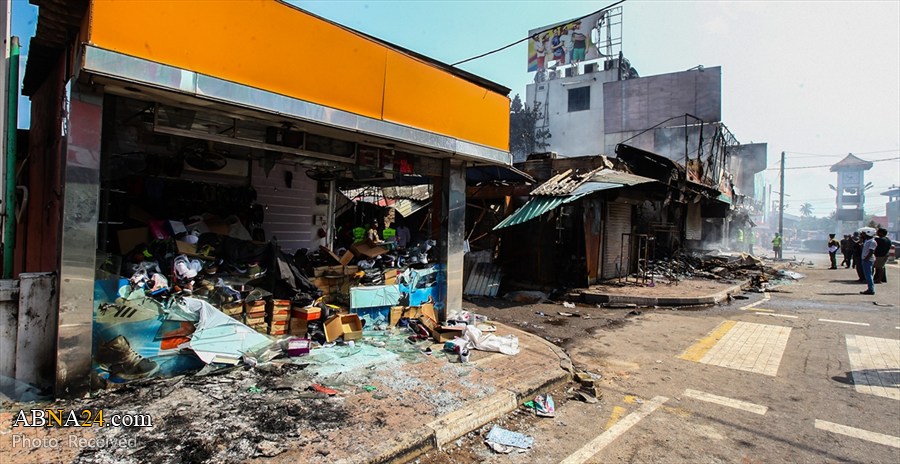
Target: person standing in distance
{"x": 833, "y": 247}
{"x": 868, "y": 262}
{"x": 776, "y": 245}
{"x": 882, "y": 250}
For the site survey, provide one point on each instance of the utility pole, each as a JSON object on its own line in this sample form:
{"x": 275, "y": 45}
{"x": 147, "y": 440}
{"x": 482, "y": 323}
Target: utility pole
{"x": 781, "y": 201}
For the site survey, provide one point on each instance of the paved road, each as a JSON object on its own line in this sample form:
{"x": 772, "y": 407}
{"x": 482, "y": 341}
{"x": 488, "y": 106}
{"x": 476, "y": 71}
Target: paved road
{"x": 809, "y": 374}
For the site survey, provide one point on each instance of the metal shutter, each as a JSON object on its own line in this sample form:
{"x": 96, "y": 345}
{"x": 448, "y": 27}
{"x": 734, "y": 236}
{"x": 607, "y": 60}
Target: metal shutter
{"x": 618, "y": 221}
{"x": 289, "y": 211}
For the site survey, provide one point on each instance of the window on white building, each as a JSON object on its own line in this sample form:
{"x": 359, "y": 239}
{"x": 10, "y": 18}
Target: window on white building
{"x": 580, "y": 99}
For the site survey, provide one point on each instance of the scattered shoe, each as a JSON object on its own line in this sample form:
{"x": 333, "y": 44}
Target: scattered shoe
{"x": 122, "y": 361}
{"x": 866, "y": 293}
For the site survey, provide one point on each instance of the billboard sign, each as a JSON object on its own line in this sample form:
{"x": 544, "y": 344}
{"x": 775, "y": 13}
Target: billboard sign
{"x": 566, "y": 42}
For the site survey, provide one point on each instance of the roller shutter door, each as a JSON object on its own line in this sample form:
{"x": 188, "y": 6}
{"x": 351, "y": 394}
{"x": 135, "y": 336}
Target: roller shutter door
{"x": 616, "y": 261}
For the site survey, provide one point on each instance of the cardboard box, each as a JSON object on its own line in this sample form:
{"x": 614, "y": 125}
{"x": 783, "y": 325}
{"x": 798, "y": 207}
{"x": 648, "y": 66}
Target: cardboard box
{"x": 347, "y": 325}
{"x": 367, "y": 249}
{"x": 298, "y": 347}
{"x": 445, "y": 334}
{"x": 346, "y": 258}
{"x": 278, "y": 317}
{"x": 232, "y": 309}
{"x": 430, "y": 324}
{"x": 330, "y": 253}
{"x": 396, "y": 314}
{"x": 427, "y": 309}
{"x": 185, "y": 248}
{"x": 130, "y": 238}
{"x": 255, "y": 321}
{"x": 309, "y": 313}
{"x": 298, "y": 327}
{"x": 390, "y": 276}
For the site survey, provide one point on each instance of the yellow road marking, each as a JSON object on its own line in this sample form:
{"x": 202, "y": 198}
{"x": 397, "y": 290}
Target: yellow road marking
{"x": 677, "y": 411}
{"x": 699, "y": 349}
{"x": 616, "y": 415}
{"x": 629, "y": 399}
{"x": 597, "y": 445}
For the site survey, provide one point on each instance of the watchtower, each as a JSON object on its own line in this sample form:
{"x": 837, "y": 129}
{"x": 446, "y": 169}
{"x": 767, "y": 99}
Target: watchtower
{"x": 850, "y": 190}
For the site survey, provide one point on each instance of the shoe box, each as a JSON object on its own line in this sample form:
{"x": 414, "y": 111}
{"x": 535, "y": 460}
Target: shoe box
{"x": 255, "y": 315}
{"x": 278, "y": 313}
{"x": 347, "y": 325}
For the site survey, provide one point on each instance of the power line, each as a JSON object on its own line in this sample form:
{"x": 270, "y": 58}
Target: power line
{"x": 807, "y": 155}
{"x": 526, "y": 38}
{"x": 829, "y": 165}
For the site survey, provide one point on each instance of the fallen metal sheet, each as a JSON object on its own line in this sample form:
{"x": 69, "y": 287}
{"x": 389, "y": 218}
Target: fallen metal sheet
{"x": 484, "y": 280}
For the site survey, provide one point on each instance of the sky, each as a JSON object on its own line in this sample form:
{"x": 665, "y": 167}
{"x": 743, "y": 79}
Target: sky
{"x": 815, "y": 79}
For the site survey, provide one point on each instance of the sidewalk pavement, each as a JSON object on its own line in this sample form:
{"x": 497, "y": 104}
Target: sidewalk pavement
{"x": 391, "y": 407}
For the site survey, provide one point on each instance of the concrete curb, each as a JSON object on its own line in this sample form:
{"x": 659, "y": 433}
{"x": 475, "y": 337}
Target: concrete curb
{"x": 715, "y": 298}
{"x": 458, "y": 423}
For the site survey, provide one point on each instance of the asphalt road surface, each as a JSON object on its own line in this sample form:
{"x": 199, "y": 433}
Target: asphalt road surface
{"x": 810, "y": 373}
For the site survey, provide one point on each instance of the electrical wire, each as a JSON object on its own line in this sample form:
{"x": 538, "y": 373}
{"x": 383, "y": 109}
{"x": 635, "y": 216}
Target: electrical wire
{"x": 829, "y": 165}
{"x": 537, "y": 33}
{"x": 806, "y": 155}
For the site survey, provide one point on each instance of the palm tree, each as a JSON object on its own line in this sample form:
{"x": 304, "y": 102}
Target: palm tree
{"x": 806, "y": 210}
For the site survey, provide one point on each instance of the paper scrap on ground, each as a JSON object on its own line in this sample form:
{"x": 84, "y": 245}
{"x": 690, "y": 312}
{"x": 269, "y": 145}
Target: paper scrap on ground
{"x": 505, "y": 437}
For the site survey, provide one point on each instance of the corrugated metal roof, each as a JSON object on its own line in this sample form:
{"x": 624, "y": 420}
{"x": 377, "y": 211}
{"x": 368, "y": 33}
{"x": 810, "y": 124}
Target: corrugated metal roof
{"x": 565, "y": 188}
{"x": 591, "y": 187}
{"x": 618, "y": 177}
{"x": 566, "y": 183}
{"x": 407, "y": 208}
{"x": 534, "y": 208}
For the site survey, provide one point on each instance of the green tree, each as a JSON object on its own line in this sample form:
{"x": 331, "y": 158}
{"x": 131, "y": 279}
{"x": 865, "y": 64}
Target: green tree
{"x": 524, "y": 136}
{"x": 806, "y": 210}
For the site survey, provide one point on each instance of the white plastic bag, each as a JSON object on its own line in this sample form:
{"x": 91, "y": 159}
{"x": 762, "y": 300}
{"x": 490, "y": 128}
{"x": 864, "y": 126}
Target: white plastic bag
{"x": 508, "y": 344}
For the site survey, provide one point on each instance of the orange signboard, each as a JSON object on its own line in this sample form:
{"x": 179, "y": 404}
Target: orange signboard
{"x": 273, "y": 46}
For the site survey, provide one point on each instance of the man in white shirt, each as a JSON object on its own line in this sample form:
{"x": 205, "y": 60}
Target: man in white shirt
{"x": 868, "y": 262}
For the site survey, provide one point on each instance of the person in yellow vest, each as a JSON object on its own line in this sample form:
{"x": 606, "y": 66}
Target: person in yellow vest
{"x": 740, "y": 240}
{"x": 751, "y": 240}
{"x": 776, "y": 245}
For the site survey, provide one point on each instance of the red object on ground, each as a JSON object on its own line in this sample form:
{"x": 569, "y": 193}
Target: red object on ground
{"x": 322, "y": 389}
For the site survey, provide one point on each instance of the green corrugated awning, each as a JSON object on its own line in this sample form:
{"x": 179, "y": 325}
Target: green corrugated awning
{"x": 536, "y": 207}
{"x": 724, "y": 198}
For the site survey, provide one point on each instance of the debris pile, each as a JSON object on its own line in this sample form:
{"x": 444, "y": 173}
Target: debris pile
{"x": 711, "y": 266}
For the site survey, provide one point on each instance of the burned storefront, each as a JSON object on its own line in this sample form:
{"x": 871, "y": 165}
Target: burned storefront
{"x": 578, "y": 226}
{"x": 198, "y": 164}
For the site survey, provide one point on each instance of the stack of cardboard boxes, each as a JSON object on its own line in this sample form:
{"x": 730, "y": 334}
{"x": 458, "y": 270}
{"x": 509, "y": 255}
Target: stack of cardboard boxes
{"x": 235, "y": 310}
{"x": 255, "y": 315}
{"x": 278, "y": 312}
{"x": 334, "y": 280}
{"x": 300, "y": 317}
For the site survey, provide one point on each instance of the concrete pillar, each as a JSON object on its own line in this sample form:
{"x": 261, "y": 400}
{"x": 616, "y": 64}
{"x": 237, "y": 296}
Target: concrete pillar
{"x": 79, "y": 241}
{"x": 453, "y": 230}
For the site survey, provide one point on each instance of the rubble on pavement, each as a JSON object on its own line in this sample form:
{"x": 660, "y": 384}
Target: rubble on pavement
{"x": 719, "y": 266}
